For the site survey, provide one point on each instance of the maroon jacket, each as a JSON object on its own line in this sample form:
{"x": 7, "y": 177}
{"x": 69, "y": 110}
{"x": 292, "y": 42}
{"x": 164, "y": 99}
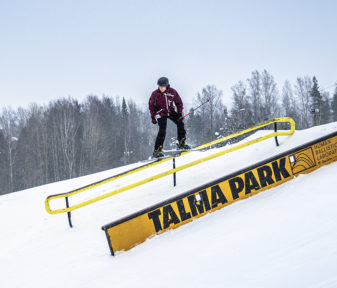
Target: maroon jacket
{"x": 162, "y": 104}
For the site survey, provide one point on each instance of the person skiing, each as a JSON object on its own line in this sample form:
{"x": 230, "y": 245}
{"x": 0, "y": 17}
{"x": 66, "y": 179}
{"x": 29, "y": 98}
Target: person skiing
{"x": 162, "y": 104}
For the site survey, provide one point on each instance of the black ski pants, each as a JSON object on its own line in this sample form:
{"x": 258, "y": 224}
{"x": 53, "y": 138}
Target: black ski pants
{"x": 162, "y": 122}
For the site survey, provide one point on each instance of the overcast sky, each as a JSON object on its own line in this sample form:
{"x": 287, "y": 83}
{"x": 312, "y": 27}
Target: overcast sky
{"x": 52, "y": 49}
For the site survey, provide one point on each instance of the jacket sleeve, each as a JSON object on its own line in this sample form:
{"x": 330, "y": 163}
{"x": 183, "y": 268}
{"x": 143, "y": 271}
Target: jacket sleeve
{"x": 152, "y": 106}
{"x": 178, "y": 102}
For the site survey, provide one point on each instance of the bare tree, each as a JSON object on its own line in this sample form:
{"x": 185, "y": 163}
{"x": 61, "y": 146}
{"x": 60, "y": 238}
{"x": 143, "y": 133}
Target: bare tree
{"x": 303, "y": 88}
{"x": 269, "y": 95}
{"x": 65, "y": 127}
{"x": 32, "y": 149}
{"x": 3, "y": 164}
{"x": 8, "y": 124}
{"x": 96, "y": 145}
{"x": 208, "y": 112}
{"x": 241, "y": 113}
{"x": 255, "y": 93}
{"x": 289, "y": 103}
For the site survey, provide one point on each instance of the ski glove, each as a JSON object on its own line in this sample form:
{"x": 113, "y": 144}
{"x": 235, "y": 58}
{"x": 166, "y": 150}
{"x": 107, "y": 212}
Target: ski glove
{"x": 179, "y": 115}
{"x": 154, "y": 121}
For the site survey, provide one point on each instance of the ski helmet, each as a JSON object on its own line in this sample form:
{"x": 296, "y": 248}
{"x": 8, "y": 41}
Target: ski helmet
{"x": 163, "y": 81}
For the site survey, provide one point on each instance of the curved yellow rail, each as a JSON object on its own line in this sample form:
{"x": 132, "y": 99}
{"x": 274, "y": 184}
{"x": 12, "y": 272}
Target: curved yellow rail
{"x": 171, "y": 171}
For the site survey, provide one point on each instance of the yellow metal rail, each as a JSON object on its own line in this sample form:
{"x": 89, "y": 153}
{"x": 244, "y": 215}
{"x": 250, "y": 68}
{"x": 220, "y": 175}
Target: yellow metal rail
{"x": 171, "y": 171}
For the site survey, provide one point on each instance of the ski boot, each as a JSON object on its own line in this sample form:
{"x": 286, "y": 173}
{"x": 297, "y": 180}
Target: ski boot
{"x": 182, "y": 145}
{"x": 158, "y": 153}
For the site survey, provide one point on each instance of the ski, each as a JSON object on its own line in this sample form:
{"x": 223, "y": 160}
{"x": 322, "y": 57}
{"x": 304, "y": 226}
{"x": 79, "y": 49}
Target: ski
{"x": 174, "y": 151}
{"x": 183, "y": 150}
{"x": 156, "y": 159}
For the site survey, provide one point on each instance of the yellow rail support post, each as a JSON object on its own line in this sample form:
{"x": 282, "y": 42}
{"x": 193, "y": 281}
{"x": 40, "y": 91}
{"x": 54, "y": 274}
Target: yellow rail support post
{"x": 166, "y": 173}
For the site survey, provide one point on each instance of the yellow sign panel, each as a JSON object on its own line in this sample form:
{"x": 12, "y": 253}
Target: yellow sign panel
{"x": 130, "y": 231}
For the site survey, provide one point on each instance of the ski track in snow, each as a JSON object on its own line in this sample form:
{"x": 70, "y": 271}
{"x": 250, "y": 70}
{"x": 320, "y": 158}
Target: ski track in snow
{"x": 283, "y": 237}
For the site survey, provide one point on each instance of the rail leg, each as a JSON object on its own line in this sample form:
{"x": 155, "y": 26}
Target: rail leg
{"x": 275, "y": 129}
{"x": 69, "y": 213}
{"x": 174, "y": 174}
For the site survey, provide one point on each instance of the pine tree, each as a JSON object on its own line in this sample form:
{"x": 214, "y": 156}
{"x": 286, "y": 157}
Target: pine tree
{"x": 325, "y": 110}
{"x": 316, "y": 99}
{"x": 125, "y": 132}
{"x": 227, "y": 123}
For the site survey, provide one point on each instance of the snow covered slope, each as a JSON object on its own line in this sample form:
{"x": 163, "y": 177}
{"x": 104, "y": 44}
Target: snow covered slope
{"x": 283, "y": 237}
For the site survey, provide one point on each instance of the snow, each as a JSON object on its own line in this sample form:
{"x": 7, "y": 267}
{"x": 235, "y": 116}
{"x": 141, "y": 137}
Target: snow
{"x": 282, "y": 237}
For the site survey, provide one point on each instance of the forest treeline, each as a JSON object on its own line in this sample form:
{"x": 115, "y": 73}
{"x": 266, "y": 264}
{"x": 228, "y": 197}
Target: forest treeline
{"x": 66, "y": 139}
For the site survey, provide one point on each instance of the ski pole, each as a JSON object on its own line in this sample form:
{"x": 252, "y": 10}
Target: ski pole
{"x": 193, "y": 109}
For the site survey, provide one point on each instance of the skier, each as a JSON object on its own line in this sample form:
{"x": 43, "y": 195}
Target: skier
{"x": 162, "y": 105}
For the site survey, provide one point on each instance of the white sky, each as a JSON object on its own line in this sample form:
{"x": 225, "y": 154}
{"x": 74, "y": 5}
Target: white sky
{"x": 52, "y": 49}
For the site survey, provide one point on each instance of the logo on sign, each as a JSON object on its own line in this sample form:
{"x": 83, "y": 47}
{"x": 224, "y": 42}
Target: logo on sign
{"x": 302, "y": 161}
